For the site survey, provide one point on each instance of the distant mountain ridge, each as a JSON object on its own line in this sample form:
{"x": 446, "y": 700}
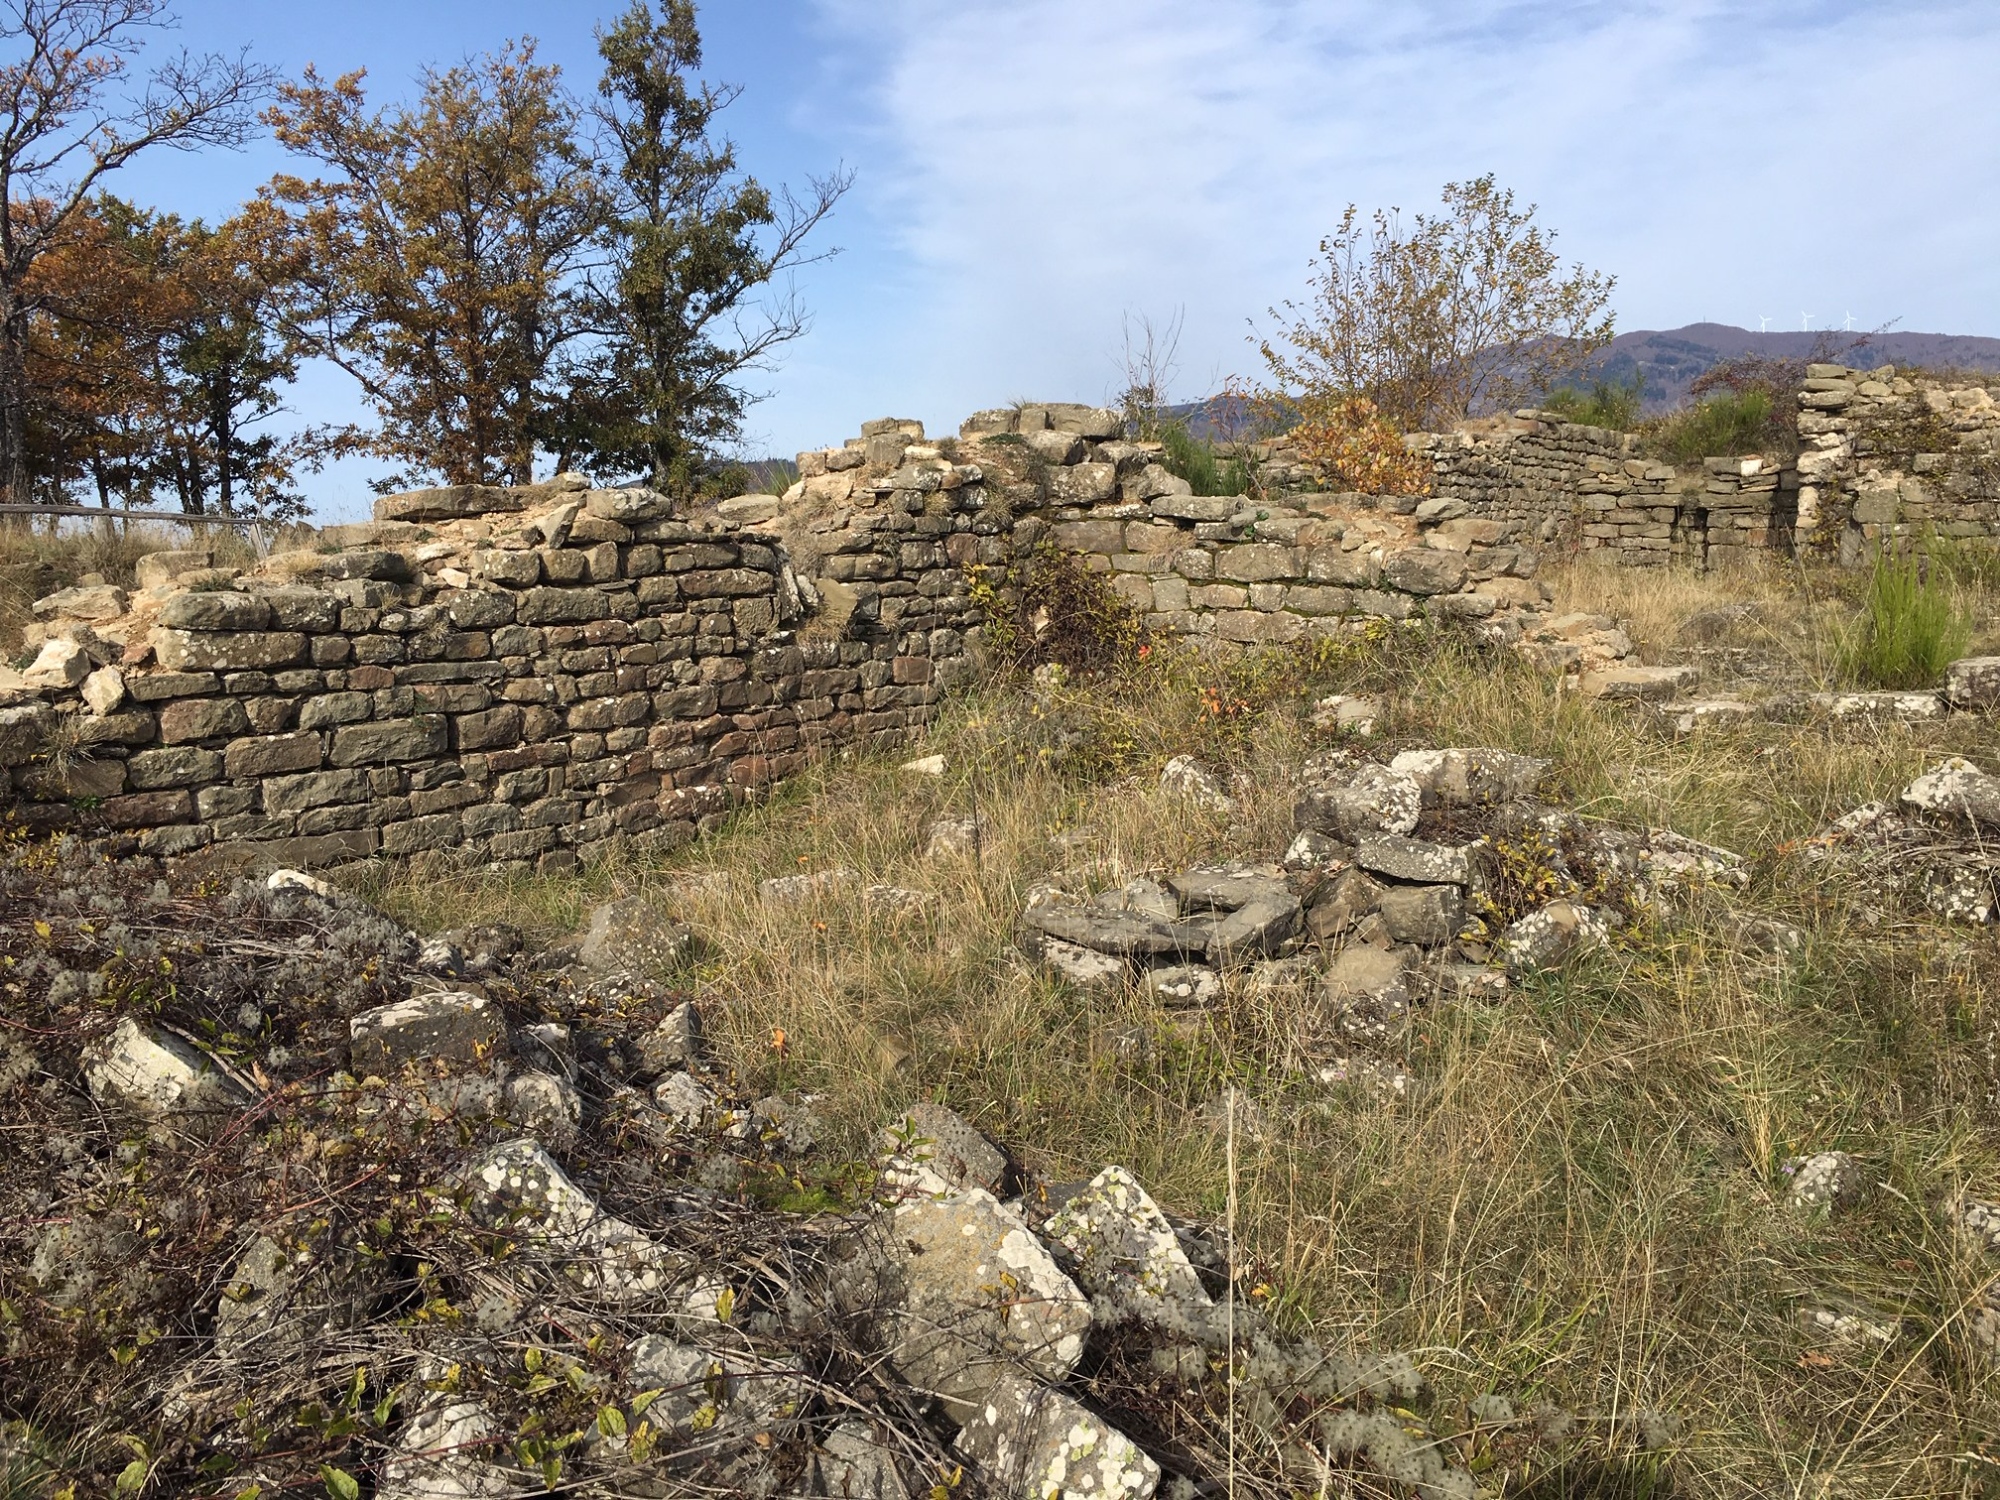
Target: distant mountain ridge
{"x": 1671, "y": 359}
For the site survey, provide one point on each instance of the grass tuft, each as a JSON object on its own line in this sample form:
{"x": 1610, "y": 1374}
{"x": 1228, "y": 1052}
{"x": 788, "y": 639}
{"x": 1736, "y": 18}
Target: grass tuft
{"x": 1911, "y": 627}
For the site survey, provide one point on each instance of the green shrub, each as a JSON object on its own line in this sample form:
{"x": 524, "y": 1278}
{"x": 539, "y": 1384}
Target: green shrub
{"x": 1195, "y": 460}
{"x": 1608, "y": 403}
{"x": 1725, "y": 426}
{"x": 1910, "y": 629}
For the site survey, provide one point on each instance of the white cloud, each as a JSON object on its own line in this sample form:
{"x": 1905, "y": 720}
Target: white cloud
{"x": 1031, "y": 168}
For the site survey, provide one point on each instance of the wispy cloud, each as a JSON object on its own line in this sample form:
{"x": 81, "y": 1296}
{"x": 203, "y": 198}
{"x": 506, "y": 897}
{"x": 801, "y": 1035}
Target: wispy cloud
{"x": 1038, "y": 166}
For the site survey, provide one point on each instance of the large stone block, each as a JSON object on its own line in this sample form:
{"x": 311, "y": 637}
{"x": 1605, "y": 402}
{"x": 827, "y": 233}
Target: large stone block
{"x": 1423, "y": 570}
{"x": 446, "y": 1027}
{"x": 240, "y": 651}
{"x": 291, "y": 794}
{"x": 454, "y": 502}
{"x": 1256, "y": 562}
{"x": 389, "y": 740}
{"x": 182, "y": 765}
{"x": 490, "y": 730}
{"x": 272, "y": 755}
{"x": 202, "y": 719}
{"x": 218, "y": 609}
{"x": 1083, "y": 484}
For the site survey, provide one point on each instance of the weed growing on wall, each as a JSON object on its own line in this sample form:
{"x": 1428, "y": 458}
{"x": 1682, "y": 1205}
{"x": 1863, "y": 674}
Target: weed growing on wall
{"x": 1612, "y": 404}
{"x": 1050, "y": 609}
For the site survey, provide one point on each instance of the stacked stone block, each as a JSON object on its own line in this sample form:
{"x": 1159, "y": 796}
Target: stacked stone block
{"x": 1887, "y": 455}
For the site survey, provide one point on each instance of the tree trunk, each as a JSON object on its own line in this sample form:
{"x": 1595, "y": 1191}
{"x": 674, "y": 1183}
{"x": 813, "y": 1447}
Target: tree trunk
{"x": 14, "y": 400}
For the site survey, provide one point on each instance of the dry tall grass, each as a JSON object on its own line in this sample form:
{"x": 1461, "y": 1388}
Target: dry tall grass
{"x": 1581, "y": 1200}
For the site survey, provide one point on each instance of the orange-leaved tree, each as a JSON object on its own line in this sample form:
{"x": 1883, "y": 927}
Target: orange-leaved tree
{"x": 1462, "y": 311}
{"x": 439, "y": 257}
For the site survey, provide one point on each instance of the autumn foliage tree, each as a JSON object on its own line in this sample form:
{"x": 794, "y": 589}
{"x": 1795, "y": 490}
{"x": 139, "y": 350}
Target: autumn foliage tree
{"x": 70, "y": 115}
{"x": 151, "y": 368}
{"x": 1457, "y": 312}
{"x": 437, "y": 257}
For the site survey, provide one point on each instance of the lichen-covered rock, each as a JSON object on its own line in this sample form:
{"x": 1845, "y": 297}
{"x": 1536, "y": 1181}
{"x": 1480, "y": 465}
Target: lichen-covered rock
{"x": 1033, "y": 1443}
{"x": 954, "y": 838}
{"x": 1829, "y": 1180}
{"x": 1973, "y": 682}
{"x": 942, "y": 1140}
{"x": 1471, "y": 777}
{"x": 1414, "y": 861}
{"x": 1184, "y": 986}
{"x": 1083, "y": 967}
{"x": 1956, "y": 789}
{"x": 855, "y": 1464}
{"x": 156, "y": 1072}
{"x": 518, "y": 1188}
{"x": 631, "y": 936}
{"x": 1427, "y": 915}
{"x": 980, "y": 1297}
{"x": 1545, "y": 938}
{"x": 1373, "y": 800}
{"x": 1184, "y": 777}
{"x": 1126, "y": 1254}
{"x": 287, "y": 1294}
{"x": 1364, "y": 996}
{"x": 443, "y": 1453}
{"x": 451, "y": 1026}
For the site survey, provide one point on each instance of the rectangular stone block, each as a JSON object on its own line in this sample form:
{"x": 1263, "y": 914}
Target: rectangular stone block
{"x": 182, "y": 765}
{"x": 227, "y": 651}
{"x": 489, "y": 730}
{"x": 292, "y": 794}
{"x": 1257, "y": 562}
{"x": 389, "y": 740}
{"x": 551, "y": 606}
{"x": 272, "y": 755}
{"x": 440, "y": 831}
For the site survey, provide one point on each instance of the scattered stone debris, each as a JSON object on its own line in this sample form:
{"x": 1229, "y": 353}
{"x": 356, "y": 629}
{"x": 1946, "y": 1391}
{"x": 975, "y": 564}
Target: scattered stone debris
{"x": 1829, "y": 1180}
{"x": 553, "y": 1178}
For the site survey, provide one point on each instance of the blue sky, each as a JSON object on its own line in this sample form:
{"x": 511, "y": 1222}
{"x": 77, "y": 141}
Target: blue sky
{"x": 1029, "y": 172}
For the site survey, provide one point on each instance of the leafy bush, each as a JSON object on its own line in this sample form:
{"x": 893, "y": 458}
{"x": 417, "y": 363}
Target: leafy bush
{"x": 1355, "y": 447}
{"x": 1608, "y": 403}
{"x": 1911, "y": 628}
{"x": 1724, "y": 426}
{"x": 1195, "y": 460}
{"x": 1052, "y": 609}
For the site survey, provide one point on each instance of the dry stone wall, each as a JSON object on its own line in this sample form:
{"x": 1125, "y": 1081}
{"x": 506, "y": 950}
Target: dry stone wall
{"x": 515, "y": 677}
{"x": 522, "y": 677}
{"x": 1886, "y": 455}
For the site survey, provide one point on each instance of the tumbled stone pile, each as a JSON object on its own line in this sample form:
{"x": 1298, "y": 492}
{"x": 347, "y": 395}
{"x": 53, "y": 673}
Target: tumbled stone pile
{"x": 1930, "y": 849}
{"x": 1437, "y": 875}
{"x": 446, "y": 1217}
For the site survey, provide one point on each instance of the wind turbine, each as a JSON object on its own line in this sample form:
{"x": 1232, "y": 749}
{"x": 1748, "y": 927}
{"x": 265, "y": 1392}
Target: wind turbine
{"x": 1763, "y": 325}
{"x": 1805, "y": 321}
{"x": 1848, "y": 326}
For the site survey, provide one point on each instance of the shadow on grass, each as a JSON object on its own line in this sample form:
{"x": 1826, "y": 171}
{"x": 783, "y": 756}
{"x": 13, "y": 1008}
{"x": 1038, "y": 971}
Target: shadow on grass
{"x": 1601, "y": 1479}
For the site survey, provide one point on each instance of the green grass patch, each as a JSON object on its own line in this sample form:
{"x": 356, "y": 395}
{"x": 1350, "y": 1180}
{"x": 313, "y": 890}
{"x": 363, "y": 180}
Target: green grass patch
{"x": 1911, "y": 626}
{"x": 1725, "y": 426}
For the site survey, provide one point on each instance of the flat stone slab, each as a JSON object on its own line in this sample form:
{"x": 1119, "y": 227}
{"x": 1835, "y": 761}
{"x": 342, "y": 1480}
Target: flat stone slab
{"x": 450, "y": 1026}
{"x": 157, "y": 1073}
{"x": 1414, "y": 860}
{"x": 1907, "y": 707}
{"x": 1637, "y": 684}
